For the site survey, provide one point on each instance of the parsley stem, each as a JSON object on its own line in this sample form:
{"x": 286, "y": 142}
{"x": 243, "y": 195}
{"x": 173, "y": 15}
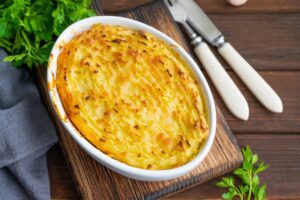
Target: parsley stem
{"x": 6, "y": 44}
{"x": 250, "y": 185}
{"x": 240, "y": 194}
{"x": 26, "y": 38}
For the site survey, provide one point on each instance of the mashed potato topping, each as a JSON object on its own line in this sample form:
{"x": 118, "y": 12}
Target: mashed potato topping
{"x": 132, "y": 96}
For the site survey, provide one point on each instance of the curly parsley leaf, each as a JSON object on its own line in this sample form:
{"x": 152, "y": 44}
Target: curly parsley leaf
{"x": 248, "y": 177}
{"x": 29, "y": 27}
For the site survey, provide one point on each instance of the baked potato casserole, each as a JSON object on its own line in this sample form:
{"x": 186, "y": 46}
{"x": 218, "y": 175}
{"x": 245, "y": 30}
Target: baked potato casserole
{"x": 132, "y": 96}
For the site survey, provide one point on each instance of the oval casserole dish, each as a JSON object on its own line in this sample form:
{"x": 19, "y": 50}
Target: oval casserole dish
{"x": 133, "y": 96}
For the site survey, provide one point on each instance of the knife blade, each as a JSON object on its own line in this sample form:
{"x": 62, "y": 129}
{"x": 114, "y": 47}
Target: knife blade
{"x": 200, "y": 22}
{"x": 257, "y": 85}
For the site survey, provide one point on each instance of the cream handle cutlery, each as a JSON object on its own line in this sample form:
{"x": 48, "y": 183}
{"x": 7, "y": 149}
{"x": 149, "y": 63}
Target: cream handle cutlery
{"x": 229, "y": 92}
{"x": 192, "y": 17}
{"x": 202, "y": 24}
{"x": 258, "y": 86}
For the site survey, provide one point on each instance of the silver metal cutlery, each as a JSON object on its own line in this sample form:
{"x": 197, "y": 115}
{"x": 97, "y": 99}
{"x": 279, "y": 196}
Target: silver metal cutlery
{"x": 191, "y": 16}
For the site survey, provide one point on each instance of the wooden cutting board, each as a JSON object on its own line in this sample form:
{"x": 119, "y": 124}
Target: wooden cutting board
{"x": 95, "y": 181}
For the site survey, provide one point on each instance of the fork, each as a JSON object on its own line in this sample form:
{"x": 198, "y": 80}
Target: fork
{"x": 229, "y": 92}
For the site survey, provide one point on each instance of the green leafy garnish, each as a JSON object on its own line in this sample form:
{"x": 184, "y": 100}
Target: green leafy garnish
{"x": 28, "y": 28}
{"x": 248, "y": 176}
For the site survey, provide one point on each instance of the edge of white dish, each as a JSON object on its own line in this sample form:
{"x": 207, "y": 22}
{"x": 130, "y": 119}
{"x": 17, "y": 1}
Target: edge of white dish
{"x": 115, "y": 165}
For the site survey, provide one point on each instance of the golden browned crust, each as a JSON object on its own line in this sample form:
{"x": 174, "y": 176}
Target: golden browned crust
{"x": 132, "y": 96}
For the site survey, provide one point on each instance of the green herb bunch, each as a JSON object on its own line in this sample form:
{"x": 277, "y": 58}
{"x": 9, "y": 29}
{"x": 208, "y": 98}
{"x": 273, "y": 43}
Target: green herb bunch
{"x": 248, "y": 176}
{"x": 28, "y": 28}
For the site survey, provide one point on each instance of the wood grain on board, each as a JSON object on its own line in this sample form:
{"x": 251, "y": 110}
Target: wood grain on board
{"x": 95, "y": 181}
{"x": 116, "y": 6}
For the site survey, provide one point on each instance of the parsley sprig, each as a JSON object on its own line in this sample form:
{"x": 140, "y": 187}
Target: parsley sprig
{"x": 28, "y": 28}
{"x": 248, "y": 176}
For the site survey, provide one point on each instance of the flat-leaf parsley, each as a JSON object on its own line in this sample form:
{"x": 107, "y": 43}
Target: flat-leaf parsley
{"x": 248, "y": 176}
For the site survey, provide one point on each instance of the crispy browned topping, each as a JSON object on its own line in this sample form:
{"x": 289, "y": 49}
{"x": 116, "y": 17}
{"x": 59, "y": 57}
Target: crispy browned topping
{"x": 132, "y": 96}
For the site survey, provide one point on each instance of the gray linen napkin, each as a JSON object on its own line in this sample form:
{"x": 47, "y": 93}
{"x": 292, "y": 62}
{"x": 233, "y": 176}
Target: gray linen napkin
{"x": 26, "y": 134}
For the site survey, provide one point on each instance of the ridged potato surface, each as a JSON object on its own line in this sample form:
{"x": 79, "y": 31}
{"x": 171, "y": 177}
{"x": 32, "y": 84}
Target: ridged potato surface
{"x": 132, "y": 96}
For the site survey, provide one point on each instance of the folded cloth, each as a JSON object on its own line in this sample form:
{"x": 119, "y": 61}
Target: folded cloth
{"x": 26, "y": 134}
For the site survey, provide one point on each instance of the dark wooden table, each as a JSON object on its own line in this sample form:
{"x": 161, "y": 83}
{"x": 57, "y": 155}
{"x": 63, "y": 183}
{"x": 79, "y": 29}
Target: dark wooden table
{"x": 267, "y": 34}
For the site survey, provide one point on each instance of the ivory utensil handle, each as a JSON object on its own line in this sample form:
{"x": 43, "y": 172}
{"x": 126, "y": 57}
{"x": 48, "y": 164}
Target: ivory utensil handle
{"x": 258, "y": 86}
{"x": 231, "y": 95}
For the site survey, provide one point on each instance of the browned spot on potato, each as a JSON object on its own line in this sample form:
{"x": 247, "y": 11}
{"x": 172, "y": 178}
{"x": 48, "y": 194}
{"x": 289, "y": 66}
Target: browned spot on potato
{"x": 137, "y": 127}
{"x": 149, "y": 166}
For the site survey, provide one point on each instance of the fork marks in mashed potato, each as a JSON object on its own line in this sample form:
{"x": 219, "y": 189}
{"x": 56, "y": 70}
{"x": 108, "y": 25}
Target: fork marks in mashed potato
{"x": 132, "y": 96}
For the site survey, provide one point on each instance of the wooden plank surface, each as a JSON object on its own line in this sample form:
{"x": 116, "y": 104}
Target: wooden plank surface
{"x": 94, "y": 181}
{"x": 252, "y": 6}
{"x": 218, "y": 6}
{"x": 287, "y": 85}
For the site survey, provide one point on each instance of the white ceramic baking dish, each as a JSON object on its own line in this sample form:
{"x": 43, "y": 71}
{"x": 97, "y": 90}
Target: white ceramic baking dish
{"x": 115, "y": 165}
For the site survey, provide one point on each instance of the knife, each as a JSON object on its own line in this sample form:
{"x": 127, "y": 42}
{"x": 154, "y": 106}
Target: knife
{"x": 257, "y": 85}
{"x": 229, "y": 92}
